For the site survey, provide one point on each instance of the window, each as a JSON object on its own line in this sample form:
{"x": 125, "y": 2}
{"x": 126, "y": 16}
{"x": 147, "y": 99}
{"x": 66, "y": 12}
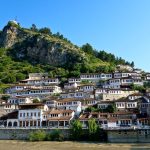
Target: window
{"x": 105, "y": 122}
{"x": 20, "y": 114}
{"x": 38, "y": 114}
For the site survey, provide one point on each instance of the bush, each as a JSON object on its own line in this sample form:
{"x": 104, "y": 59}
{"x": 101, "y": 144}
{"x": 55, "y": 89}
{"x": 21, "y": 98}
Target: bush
{"x": 40, "y": 135}
{"x": 48, "y": 137}
{"x": 76, "y": 130}
{"x": 45, "y": 30}
{"x": 5, "y": 97}
{"x": 93, "y": 130}
{"x": 56, "y": 135}
{"x": 37, "y": 136}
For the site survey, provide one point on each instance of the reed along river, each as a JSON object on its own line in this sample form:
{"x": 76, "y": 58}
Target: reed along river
{"x": 23, "y": 145}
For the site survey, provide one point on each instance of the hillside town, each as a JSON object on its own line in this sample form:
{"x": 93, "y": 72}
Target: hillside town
{"x": 115, "y": 100}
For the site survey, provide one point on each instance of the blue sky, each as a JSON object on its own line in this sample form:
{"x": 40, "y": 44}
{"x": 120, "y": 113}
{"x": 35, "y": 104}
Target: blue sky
{"x": 121, "y": 27}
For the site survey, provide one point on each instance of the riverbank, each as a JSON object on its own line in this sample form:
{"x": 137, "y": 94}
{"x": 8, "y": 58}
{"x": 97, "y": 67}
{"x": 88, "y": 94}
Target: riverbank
{"x": 23, "y": 145}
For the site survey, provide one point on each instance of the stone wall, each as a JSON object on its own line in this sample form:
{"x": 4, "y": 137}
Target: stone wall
{"x": 114, "y": 136}
{"x": 129, "y": 136}
{"x": 23, "y": 134}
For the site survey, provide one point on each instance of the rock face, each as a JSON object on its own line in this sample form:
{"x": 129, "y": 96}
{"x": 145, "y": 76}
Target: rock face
{"x": 8, "y": 37}
{"x": 38, "y": 48}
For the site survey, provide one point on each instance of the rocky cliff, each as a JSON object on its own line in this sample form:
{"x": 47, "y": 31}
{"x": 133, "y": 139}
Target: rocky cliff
{"x": 35, "y": 47}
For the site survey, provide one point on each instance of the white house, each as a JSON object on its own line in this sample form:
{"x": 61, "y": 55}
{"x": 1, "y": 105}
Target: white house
{"x": 76, "y": 94}
{"x": 59, "y": 118}
{"x": 19, "y": 100}
{"x": 31, "y": 115}
{"x": 95, "y": 77}
{"x": 104, "y": 104}
{"x": 125, "y": 103}
{"x": 74, "y": 80}
{"x": 8, "y": 107}
{"x": 69, "y": 104}
{"x": 39, "y": 79}
{"x": 115, "y": 94}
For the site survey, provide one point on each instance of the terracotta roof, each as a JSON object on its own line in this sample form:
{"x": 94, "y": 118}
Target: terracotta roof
{"x": 112, "y": 119}
{"x": 60, "y": 111}
{"x": 106, "y": 102}
{"x": 123, "y": 113}
{"x": 59, "y": 118}
{"x": 126, "y": 100}
{"x": 136, "y": 94}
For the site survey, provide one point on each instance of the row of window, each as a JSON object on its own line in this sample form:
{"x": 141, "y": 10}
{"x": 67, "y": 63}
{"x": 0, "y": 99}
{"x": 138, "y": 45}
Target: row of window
{"x": 96, "y": 76}
{"x": 145, "y": 105}
{"x": 47, "y": 91}
{"x": 45, "y": 81}
{"x": 114, "y": 92}
{"x": 17, "y": 101}
{"x": 7, "y": 106}
{"x": 74, "y": 80}
{"x": 66, "y": 103}
{"x": 58, "y": 115}
{"x": 31, "y": 114}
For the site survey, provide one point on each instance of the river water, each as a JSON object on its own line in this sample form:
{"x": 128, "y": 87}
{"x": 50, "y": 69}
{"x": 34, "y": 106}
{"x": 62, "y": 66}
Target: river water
{"x": 23, "y": 145}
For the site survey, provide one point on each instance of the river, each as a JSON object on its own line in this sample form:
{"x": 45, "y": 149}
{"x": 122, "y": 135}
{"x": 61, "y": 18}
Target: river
{"x": 23, "y": 145}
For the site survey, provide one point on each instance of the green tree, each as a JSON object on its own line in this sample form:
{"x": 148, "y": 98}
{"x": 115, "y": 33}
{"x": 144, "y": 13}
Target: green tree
{"x": 92, "y": 129}
{"x": 132, "y": 64}
{"x": 92, "y": 109}
{"x": 138, "y": 88}
{"x": 36, "y": 101}
{"x": 45, "y": 30}
{"x": 20, "y": 76}
{"x": 76, "y": 130}
{"x": 34, "y": 28}
{"x": 111, "y": 108}
{"x": 87, "y": 48}
{"x": 56, "y": 135}
{"x": 9, "y": 78}
{"x": 5, "y": 97}
{"x": 147, "y": 84}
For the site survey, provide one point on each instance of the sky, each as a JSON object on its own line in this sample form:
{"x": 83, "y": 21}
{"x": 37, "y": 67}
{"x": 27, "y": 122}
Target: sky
{"x": 121, "y": 27}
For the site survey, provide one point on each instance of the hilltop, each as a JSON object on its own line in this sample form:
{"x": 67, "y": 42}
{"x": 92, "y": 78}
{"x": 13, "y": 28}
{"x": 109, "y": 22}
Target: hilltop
{"x": 23, "y": 51}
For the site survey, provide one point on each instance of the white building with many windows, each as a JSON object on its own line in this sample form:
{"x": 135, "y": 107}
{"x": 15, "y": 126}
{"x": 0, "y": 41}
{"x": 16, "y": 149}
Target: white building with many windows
{"x": 31, "y": 115}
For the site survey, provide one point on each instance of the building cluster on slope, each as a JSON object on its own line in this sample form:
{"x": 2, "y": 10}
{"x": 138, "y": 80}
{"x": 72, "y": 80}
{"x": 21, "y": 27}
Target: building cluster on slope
{"x": 40, "y": 101}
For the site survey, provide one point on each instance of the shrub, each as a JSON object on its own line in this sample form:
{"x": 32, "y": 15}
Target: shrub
{"x": 48, "y": 137}
{"x": 93, "y": 129}
{"x": 56, "y": 135}
{"x": 37, "y": 136}
{"x": 76, "y": 130}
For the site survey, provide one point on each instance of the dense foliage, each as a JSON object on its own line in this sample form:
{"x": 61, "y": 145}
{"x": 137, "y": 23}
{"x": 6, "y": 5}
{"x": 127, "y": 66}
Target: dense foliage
{"x": 37, "y": 136}
{"x": 109, "y": 109}
{"x": 76, "y": 130}
{"x": 108, "y": 57}
{"x": 41, "y": 135}
{"x": 93, "y": 130}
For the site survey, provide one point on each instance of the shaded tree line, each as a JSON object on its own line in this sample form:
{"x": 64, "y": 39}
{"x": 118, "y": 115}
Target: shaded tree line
{"x": 104, "y": 56}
